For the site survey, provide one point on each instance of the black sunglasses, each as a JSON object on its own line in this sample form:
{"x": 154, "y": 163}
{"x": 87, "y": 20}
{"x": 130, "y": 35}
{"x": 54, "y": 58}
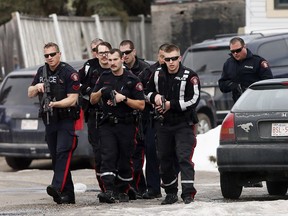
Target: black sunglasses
{"x": 50, "y": 54}
{"x": 236, "y": 50}
{"x": 94, "y": 49}
{"x": 171, "y": 58}
{"x": 127, "y": 52}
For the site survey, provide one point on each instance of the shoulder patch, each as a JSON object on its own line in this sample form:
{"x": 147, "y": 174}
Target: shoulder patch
{"x": 139, "y": 86}
{"x": 76, "y": 87}
{"x": 74, "y": 76}
{"x": 264, "y": 64}
{"x": 194, "y": 80}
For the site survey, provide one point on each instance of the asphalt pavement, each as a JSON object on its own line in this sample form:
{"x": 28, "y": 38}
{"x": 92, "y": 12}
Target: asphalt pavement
{"x": 24, "y": 193}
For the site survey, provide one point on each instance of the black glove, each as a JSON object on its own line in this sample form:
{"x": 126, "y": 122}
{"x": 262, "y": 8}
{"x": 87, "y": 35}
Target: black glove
{"x": 106, "y": 92}
{"x": 84, "y": 89}
{"x": 235, "y": 87}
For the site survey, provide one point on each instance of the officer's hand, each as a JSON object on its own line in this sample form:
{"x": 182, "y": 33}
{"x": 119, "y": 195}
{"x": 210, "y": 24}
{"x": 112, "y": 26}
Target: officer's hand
{"x": 158, "y": 100}
{"x": 119, "y": 97}
{"x": 233, "y": 85}
{"x": 167, "y": 107}
{"x": 106, "y": 92}
{"x": 40, "y": 87}
{"x": 86, "y": 90}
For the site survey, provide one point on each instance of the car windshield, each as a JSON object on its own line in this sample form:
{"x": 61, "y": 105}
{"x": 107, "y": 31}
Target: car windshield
{"x": 260, "y": 100}
{"x": 14, "y": 91}
{"x": 206, "y": 60}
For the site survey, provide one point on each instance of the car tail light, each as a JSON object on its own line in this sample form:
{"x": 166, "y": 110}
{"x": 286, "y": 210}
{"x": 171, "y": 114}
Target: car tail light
{"x": 227, "y": 133}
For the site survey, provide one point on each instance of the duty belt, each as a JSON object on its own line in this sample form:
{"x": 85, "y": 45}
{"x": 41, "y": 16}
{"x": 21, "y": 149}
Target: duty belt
{"x": 112, "y": 120}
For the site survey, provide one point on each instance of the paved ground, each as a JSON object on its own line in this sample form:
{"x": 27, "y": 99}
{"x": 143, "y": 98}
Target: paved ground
{"x": 23, "y": 193}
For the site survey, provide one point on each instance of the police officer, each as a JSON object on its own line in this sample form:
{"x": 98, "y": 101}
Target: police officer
{"x": 136, "y": 65}
{"x": 58, "y": 99}
{"x": 152, "y": 165}
{"x": 89, "y": 74}
{"x": 242, "y": 69}
{"x": 121, "y": 93}
{"x": 175, "y": 91}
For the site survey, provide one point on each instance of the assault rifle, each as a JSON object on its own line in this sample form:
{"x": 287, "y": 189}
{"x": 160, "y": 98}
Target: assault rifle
{"x": 159, "y": 116}
{"x": 112, "y": 97}
{"x": 47, "y": 98}
{"x": 163, "y": 103}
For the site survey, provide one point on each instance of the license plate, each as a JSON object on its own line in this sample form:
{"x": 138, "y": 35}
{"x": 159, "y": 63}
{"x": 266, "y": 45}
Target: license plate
{"x": 28, "y": 124}
{"x": 279, "y": 129}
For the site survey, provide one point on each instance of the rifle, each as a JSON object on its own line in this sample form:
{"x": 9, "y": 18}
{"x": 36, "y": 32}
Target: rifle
{"x": 112, "y": 97}
{"x": 47, "y": 98}
{"x": 159, "y": 116}
{"x": 163, "y": 102}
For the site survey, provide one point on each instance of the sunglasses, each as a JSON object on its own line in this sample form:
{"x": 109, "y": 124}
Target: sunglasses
{"x": 103, "y": 53}
{"x": 50, "y": 54}
{"x": 171, "y": 58}
{"x": 127, "y": 52}
{"x": 236, "y": 50}
{"x": 94, "y": 49}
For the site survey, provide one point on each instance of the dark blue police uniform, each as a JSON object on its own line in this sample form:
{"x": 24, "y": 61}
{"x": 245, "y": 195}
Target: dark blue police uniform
{"x": 117, "y": 130}
{"x": 139, "y": 183}
{"x": 152, "y": 164}
{"x": 60, "y": 132}
{"x": 175, "y": 131}
{"x": 89, "y": 74}
{"x": 237, "y": 76}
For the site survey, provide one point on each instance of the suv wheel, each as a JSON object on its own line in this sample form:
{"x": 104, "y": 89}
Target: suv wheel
{"x": 276, "y": 188}
{"x": 204, "y": 124}
{"x": 229, "y": 187}
{"x": 18, "y": 163}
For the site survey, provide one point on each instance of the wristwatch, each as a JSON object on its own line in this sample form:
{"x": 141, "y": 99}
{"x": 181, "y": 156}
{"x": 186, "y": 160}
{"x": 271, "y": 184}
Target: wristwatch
{"x": 125, "y": 99}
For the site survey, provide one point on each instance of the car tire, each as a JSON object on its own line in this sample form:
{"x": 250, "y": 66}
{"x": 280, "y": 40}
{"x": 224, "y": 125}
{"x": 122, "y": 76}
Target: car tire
{"x": 229, "y": 187}
{"x": 278, "y": 188}
{"x": 204, "y": 124}
{"x": 18, "y": 163}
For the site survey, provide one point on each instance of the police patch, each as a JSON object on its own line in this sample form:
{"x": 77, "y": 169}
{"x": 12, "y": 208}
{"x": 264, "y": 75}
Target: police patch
{"x": 139, "y": 86}
{"x": 76, "y": 87}
{"x": 264, "y": 64}
{"x": 194, "y": 80}
{"x": 74, "y": 76}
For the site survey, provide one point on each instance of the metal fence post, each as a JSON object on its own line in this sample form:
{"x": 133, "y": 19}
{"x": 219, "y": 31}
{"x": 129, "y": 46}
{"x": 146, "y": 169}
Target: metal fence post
{"x": 58, "y": 36}
{"x": 22, "y": 41}
{"x": 98, "y": 26}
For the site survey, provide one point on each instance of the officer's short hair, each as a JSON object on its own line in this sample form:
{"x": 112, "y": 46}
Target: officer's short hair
{"x": 96, "y": 41}
{"x": 236, "y": 39}
{"x": 163, "y": 46}
{"x": 171, "y": 47}
{"x": 104, "y": 43}
{"x": 114, "y": 50}
{"x": 127, "y": 42}
{"x": 52, "y": 44}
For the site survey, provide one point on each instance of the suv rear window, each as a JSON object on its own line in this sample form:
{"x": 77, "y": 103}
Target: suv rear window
{"x": 206, "y": 60}
{"x": 14, "y": 91}
{"x": 275, "y": 52}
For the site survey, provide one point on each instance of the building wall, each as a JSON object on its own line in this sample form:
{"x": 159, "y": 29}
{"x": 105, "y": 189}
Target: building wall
{"x": 261, "y": 15}
{"x": 192, "y": 22}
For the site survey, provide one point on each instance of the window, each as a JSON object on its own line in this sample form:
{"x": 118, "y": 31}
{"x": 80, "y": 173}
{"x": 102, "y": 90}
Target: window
{"x": 280, "y": 4}
{"x": 277, "y": 8}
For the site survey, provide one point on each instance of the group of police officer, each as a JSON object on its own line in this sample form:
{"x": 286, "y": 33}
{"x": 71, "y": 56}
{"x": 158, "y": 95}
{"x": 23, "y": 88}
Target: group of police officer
{"x": 132, "y": 110}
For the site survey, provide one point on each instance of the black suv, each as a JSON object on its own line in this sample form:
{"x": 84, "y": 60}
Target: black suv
{"x": 207, "y": 59}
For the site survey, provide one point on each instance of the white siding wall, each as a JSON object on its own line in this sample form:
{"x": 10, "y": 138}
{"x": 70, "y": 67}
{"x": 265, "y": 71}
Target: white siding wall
{"x": 260, "y": 15}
